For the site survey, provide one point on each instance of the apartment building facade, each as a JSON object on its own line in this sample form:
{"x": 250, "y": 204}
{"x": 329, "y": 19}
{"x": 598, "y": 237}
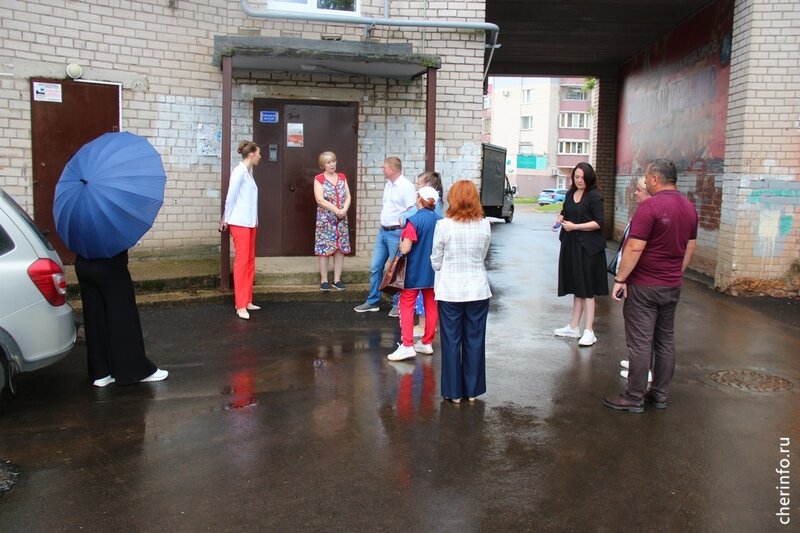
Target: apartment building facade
{"x": 298, "y": 86}
{"x": 544, "y": 123}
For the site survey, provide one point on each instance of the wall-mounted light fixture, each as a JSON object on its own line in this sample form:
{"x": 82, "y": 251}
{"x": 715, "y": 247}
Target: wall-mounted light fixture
{"x": 74, "y": 71}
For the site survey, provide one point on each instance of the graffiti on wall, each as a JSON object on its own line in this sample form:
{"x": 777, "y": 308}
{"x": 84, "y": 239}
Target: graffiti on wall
{"x": 775, "y": 219}
{"x": 674, "y": 96}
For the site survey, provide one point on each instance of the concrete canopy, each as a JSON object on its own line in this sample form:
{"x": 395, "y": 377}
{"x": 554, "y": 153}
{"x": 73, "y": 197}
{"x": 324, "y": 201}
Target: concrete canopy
{"x": 279, "y": 54}
{"x": 578, "y": 37}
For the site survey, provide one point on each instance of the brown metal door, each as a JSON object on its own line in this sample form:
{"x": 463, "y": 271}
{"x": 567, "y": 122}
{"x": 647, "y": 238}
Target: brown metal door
{"x": 65, "y": 115}
{"x": 291, "y": 135}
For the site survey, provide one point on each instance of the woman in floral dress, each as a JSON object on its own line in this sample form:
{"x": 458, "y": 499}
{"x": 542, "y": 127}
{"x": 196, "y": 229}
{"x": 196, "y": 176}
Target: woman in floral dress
{"x": 332, "y": 236}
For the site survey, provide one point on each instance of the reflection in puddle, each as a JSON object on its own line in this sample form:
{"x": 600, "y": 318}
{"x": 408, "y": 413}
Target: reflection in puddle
{"x": 329, "y": 417}
{"x": 242, "y": 403}
{"x": 417, "y": 385}
{"x": 243, "y": 391}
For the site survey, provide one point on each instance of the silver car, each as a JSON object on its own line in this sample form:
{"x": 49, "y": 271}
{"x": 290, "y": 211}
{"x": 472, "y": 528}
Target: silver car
{"x": 37, "y": 326}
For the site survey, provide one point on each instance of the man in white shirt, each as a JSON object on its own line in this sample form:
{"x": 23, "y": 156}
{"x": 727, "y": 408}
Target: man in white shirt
{"x": 399, "y": 195}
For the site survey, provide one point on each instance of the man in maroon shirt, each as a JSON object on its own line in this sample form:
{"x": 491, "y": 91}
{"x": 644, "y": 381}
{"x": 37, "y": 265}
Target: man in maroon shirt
{"x": 659, "y": 246}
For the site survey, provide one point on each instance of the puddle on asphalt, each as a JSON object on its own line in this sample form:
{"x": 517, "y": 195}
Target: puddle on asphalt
{"x": 242, "y": 389}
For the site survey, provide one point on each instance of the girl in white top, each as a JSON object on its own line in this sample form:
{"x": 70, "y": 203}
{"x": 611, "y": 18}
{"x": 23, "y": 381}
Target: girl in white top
{"x": 460, "y": 244}
{"x": 241, "y": 217}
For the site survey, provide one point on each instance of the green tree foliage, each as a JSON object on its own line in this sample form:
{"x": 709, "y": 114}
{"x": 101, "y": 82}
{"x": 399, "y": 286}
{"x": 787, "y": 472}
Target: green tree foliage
{"x": 338, "y": 5}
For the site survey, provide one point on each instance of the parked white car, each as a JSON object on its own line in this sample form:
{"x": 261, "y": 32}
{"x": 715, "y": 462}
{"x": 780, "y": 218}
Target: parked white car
{"x": 37, "y": 326}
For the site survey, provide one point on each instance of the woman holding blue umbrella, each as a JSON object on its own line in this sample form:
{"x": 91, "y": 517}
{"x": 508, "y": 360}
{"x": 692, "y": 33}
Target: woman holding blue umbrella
{"x": 241, "y": 217}
{"x": 105, "y": 201}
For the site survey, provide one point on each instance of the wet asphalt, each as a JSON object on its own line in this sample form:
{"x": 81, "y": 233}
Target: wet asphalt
{"x": 295, "y": 421}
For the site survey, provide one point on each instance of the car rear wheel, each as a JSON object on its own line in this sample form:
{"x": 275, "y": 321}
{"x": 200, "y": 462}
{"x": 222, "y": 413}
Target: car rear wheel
{"x": 510, "y": 216}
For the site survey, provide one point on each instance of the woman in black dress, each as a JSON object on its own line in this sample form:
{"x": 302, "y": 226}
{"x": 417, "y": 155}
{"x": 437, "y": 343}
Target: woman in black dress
{"x": 582, "y": 261}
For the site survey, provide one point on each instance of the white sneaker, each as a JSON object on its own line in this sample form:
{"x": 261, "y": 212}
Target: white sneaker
{"x": 158, "y": 375}
{"x": 419, "y": 347}
{"x": 402, "y": 353}
{"x": 253, "y": 307}
{"x": 624, "y": 374}
{"x": 568, "y": 331}
{"x": 588, "y": 338}
{"x": 102, "y": 382}
{"x": 624, "y": 363}
{"x": 242, "y": 313}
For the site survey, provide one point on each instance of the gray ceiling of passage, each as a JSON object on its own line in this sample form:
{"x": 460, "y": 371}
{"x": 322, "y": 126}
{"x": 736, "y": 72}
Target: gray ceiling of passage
{"x": 578, "y": 37}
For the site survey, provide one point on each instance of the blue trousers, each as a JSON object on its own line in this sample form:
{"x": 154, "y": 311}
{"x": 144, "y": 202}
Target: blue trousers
{"x": 386, "y": 244}
{"x": 462, "y": 332}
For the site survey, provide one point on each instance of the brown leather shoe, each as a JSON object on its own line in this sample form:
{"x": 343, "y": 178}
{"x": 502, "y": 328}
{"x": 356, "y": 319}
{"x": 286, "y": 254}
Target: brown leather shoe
{"x": 620, "y": 403}
{"x": 650, "y": 398}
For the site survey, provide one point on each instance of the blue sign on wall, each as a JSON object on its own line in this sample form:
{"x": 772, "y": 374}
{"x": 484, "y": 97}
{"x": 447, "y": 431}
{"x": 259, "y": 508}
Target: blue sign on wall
{"x": 268, "y": 117}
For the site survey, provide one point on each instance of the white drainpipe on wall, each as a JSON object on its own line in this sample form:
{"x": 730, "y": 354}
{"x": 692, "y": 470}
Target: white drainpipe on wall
{"x": 371, "y": 21}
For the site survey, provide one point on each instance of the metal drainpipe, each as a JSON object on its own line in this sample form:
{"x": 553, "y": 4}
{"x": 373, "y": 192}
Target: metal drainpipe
{"x": 367, "y": 21}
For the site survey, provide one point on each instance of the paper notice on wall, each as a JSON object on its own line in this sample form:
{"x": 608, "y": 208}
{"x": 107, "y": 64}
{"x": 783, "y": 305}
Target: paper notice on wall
{"x": 46, "y": 92}
{"x": 209, "y": 140}
{"x": 294, "y": 135}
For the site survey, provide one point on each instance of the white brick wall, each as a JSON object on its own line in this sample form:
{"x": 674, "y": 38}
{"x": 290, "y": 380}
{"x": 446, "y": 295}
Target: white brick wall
{"x": 162, "y": 58}
{"x": 760, "y": 222}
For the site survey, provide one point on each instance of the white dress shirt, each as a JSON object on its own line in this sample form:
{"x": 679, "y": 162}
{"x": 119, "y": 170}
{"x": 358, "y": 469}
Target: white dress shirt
{"x": 459, "y": 249}
{"x": 241, "y": 204}
{"x": 397, "y": 198}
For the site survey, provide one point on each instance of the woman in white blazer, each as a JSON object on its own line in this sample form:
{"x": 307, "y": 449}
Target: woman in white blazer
{"x": 460, "y": 244}
{"x": 241, "y": 217}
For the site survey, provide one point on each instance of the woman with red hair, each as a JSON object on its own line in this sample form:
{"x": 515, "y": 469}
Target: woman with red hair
{"x": 460, "y": 244}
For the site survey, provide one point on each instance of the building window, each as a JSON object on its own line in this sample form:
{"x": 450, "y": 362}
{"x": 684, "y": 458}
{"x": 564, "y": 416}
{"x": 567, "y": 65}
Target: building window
{"x": 526, "y": 123}
{"x": 573, "y": 120}
{"x": 525, "y": 148}
{"x": 487, "y": 102}
{"x": 573, "y": 147}
{"x": 342, "y": 6}
{"x": 574, "y": 93}
{"x": 527, "y": 96}
{"x": 487, "y": 125}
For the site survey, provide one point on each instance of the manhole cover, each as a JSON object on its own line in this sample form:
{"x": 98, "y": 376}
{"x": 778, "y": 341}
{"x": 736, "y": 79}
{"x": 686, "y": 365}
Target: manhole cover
{"x": 8, "y": 475}
{"x": 750, "y": 380}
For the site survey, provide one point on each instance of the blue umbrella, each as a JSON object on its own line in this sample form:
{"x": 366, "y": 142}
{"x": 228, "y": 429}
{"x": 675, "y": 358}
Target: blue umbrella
{"x": 109, "y": 195}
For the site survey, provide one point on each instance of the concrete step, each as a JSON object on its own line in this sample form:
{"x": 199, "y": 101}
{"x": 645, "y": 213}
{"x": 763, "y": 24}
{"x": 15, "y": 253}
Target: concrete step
{"x": 282, "y": 279}
{"x": 355, "y": 293}
{"x": 277, "y": 279}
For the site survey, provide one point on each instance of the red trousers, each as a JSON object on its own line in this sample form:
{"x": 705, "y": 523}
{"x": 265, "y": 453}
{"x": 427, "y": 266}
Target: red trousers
{"x": 244, "y": 264}
{"x": 408, "y": 300}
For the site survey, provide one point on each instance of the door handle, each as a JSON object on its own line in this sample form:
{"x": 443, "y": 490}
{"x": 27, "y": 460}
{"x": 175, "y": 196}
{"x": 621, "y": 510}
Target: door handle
{"x": 291, "y": 189}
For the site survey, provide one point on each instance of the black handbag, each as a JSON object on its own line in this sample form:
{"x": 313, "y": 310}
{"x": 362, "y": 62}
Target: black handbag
{"x": 394, "y": 279}
{"x": 612, "y": 265}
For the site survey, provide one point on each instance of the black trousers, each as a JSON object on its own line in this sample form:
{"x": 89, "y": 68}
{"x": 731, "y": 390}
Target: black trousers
{"x": 114, "y": 342}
